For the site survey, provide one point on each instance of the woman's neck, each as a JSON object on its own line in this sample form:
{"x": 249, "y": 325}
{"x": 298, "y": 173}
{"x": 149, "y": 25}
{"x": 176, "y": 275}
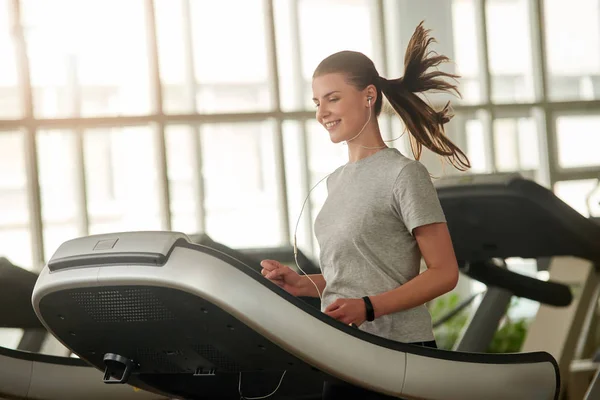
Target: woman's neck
{"x": 367, "y": 144}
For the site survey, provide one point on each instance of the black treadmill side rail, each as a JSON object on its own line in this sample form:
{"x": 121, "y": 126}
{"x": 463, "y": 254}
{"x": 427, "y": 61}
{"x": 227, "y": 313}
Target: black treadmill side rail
{"x": 546, "y": 292}
{"x": 515, "y": 218}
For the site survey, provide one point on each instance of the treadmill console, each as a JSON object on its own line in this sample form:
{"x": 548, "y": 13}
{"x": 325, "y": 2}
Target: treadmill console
{"x": 135, "y": 248}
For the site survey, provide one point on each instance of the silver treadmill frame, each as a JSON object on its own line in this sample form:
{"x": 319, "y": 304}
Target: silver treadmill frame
{"x": 26, "y": 375}
{"x": 372, "y": 364}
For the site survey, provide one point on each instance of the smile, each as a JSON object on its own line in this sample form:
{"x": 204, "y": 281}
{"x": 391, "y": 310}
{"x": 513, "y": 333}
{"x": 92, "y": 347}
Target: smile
{"x": 332, "y": 124}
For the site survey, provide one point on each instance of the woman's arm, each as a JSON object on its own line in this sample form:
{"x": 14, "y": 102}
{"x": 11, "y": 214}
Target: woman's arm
{"x": 308, "y": 289}
{"x": 290, "y": 281}
{"x": 440, "y": 277}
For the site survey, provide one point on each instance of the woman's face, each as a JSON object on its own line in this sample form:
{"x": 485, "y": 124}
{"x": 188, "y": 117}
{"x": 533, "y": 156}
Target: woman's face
{"x": 341, "y": 108}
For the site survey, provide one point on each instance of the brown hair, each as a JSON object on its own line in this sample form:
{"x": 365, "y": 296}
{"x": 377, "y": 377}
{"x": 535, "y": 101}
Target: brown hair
{"x": 426, "y": 126}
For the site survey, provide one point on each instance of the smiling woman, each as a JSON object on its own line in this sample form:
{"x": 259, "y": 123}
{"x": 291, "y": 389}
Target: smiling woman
{"x": 381, "y": 215}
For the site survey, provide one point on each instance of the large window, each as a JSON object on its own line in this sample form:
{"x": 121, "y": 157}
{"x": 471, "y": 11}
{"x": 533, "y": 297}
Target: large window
{"x": 196, "y": 116}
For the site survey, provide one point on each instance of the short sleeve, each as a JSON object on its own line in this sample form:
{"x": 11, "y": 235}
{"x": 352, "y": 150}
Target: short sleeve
{"x": 416, "y": 198}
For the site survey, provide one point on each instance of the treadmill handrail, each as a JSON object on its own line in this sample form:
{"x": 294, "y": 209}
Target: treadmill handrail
{"x": 546, "y": 292}
{"x": 16, "y": 287}
{"x": 514, "y": 217}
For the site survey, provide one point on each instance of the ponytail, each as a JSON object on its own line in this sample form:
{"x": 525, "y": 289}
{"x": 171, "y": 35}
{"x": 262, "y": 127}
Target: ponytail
{"x": 425, "y": 125}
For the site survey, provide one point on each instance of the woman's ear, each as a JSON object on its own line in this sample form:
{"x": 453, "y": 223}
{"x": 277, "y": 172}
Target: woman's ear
{"x": 371, "y": 93}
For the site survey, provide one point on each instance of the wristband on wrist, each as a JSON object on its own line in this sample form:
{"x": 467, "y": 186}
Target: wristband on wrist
{"x": 369, "y": 309}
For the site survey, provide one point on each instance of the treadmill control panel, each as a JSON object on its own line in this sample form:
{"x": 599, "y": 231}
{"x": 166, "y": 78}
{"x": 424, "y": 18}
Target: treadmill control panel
{"x": 133, "y": 248}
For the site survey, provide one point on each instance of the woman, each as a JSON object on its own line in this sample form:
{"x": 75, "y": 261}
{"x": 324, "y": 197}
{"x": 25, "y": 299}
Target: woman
{"x": 382, "y": 213}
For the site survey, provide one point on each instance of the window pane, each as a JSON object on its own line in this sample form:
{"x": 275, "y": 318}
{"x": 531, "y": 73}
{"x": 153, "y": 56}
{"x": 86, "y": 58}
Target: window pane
{"x": 183, "y": 173}
{"x": 573, "y": 48}
{"x": 171, "y": 55}
{"x": 296, "y": 186}
{"x": 583, "y": 195}
{"x": 291, "y": 89}
{"x": 465, "y": 50}
{"x": 510, "y": 50}
{"x": 15, "y": 239}
{"x": 10, "y": 96}
{"x": 476, "y": 152}
{"x": 230, "y": 60}
{"x": 58, "y": 188}
{"x": 319, "y": 37}
{"x": 240, "y": 184}
{"x": 578, "y": 141}
{"x": 516, "y": 145}
{"x": 71, "y": 50}
{"x": 121, "y": 179}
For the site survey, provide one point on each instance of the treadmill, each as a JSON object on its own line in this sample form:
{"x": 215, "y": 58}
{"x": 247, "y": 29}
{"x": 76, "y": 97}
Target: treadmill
{"x": 25, "y": 374}
{"x": 498, "y": 216}
{"x": 495, "y": 217}
{"x": 156, "y": 311}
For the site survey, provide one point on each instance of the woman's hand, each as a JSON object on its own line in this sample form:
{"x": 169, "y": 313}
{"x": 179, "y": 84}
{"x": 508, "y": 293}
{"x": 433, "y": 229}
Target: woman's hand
{"x": 283, "y": 276}
{"x": 348, "y": 311}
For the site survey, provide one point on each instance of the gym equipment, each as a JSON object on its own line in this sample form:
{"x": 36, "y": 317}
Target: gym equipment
{"x": 502, "y": 285}
{"x": 15, "y": 297}
{"x": 155, "y": 311}
{"x": 24, "y": 374}
{"x": 15, "y": 305}
{"x": 498, "y": 216}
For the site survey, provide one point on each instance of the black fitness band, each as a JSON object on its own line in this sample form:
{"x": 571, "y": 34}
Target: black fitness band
{"x": 369, "y": 307}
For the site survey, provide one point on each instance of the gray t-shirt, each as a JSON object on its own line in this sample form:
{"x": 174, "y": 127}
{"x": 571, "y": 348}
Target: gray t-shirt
{"x": 364, "y": 230}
